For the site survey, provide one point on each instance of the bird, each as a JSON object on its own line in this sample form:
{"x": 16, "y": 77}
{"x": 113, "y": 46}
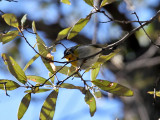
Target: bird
{"x": 84, "y": 56}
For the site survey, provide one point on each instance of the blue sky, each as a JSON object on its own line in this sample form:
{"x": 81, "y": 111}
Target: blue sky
{"x": 70, "y": 103}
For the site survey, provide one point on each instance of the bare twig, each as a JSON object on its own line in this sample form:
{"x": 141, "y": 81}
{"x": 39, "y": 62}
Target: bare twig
{"x": 118, "y": 21}
{"x": 12, "y": 0}
{"x": 133, "y": 31}
{"x": 145, "y": 30}
{"x": 61, "y": 82}
{"x": 141, "y": 63}
{"x": 106, "y": 48}
{"x": 1, "y": 11}
{"x": 123, "y": 39}
{"x": 52, "y": 75}
{"x": 84, "y": 81}
{"x": 123, "y": 22}
{"x": 50, "y": 60}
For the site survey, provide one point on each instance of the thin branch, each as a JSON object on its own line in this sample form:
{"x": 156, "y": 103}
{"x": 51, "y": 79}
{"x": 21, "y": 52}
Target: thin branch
{"x": 84, "y": 81}
{"x": 22, "y": 35}
{"x": 123, "y": 39}
{"x": 12, "y": 0}
{"x": 61, "y": 82}
{"x": 133, "y": 31}
{"x": 145, "y": 30}
{"x": 118, "y": 21}
{"x": 1, "y": 11}
{"x": 52, "y": 75}
{"x": 142, "y": 63}
{"x": 106, "y": 48}
{"x": 123, "y": 22}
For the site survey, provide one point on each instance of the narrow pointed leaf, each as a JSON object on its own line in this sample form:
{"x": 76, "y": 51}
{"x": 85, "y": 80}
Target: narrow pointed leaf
{"x": 38, "y": 79}
{"x": 14, "y": 68}
{"x": 34, "y": 27}
{"x": 157, "y": 93}
{"x": 52, "y": 48}
{"x": 49, "y": 105}
{"x": 90, "y": 100}
{"x": 10, "y": 19}
{"x": 78, "y": 27}
{"x": 52, "y": 79}
{"x": 94, "y": 73}
{"x": 23, "y": 20}
{"x": 62, "y": 34}
{"x": 104, "y": 58}
{"x": 10, "y": 85}
{"x": 106, "y": 2}
{"x": 64, "y": 70}
{"x": 43, "y": 50}
{"x": 38, "y": 91}
{"x": 66, "y": 2}
{"x": 71, "y": 70}
{"x": 90, "y": 2}
{"x": 98, "y": 94}
{"x": 67, "y": 70}
{"x": 7, "y": 37}
{"x": 24, "y": 105}
{"x": 113, "y": 87}
{"x": 31, "y": 61}
{"x": 71, "y": 86}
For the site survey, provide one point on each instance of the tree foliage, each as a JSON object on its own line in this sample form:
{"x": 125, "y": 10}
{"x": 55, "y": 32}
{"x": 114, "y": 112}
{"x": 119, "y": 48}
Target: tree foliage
{"x": 38, "y": 84}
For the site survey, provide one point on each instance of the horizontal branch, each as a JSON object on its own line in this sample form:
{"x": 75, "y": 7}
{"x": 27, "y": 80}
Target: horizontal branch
{"x": 142, "y": 63}
{"x": 123, "y": 39}
{"x": 133, "y": 31}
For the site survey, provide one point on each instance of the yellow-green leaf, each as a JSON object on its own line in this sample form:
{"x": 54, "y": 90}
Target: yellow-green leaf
{"x": 90, "y": 100}
{"x": 78, "y": 27}
{"x": 106, "y": 2}
{"x": 38, "y": 91}
{"x": 31, "y": 61}
{"x": 52, "y": 79}
{"x": 66, "y": 2}
{"x": 71, "y": 70}
{"x": 7, "y": 37}
{"x": 157, "y": 93}
{"x": 24, "y": 105}
{"x": 64, "y": 70}
{"x": 71, "y": 86}
{"x": 67, "y": 70}
{"x": 23, "y": 20}
{"x": 14, "y": 68}
{"x": 103, "y": 58}
{"x": 98, "y": 94}
{"x": 48, "y": 108}
{"x": 43, "y": 50}
{"x": 113, "y": 87}
{"x": 90, "y": 2}
{"x": 52, "y": 48}
{"x": 34, "y": 27}
{"x": 63, "y": 33}
{"x": 94, "y": 72}
{"x": 38, "y": 79}
{"x": 10, "y": 85}
{"x": 10, "y": 19}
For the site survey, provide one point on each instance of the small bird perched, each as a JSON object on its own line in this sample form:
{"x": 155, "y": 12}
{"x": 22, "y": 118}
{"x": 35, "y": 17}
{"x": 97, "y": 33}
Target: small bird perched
{"x": 83, "y": 51}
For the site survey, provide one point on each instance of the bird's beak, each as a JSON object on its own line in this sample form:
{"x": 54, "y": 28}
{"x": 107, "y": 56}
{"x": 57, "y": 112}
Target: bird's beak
{"x": 63, "y": 57}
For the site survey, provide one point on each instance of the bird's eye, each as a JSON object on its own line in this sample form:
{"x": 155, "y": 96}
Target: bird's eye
{"x": 67, "y": 53}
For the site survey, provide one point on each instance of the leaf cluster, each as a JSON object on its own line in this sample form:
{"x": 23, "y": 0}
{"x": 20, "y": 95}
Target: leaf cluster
{"x": 35, "y": 84}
